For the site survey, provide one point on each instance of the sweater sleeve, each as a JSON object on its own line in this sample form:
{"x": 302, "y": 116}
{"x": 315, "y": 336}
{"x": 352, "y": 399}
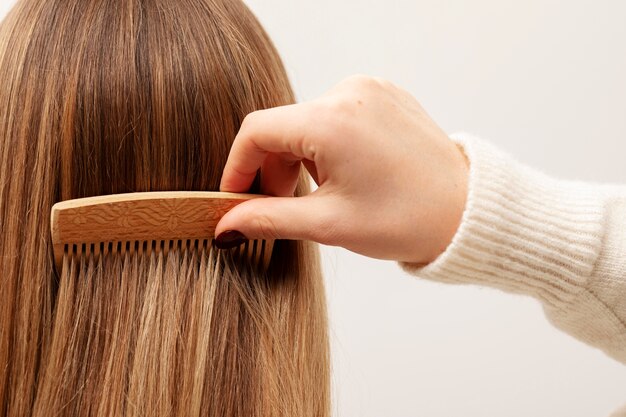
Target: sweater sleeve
{"x": 562, "y": 242}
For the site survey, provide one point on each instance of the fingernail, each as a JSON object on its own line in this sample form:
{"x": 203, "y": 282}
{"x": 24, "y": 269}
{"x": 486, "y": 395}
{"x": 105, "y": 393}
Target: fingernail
{"x": 229, "y": 239}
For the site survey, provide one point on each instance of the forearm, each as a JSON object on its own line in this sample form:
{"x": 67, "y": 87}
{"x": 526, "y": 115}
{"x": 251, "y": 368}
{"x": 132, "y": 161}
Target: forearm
{"x": 562, "y": 242}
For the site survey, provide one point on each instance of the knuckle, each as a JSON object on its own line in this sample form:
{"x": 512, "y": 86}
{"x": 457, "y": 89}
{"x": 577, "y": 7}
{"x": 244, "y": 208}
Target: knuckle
{"x": 266, "y": 227}
{"x": 382, "y": 81}
{"x": 383, "y": 86}
{"x": 250, "y": 119}
{"x": 359, "y": 78}
{"x": 359, "y": 82}
{"x": 367, "y": 87}
{"x": 363, "y": 80}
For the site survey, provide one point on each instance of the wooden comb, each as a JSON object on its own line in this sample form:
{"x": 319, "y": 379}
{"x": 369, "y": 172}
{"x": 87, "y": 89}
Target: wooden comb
{"x": 148, "y": 221}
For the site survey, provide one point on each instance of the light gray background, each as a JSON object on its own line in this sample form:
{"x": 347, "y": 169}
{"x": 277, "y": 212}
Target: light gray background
{"x": 543, "y": 79}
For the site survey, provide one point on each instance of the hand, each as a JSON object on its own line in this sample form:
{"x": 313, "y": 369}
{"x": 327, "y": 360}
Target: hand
{"x": 391, "y": 184}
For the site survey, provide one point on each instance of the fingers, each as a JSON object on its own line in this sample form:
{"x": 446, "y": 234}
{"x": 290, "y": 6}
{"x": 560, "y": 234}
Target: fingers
{"x": 302, "y": 218}
{"x": 279, "y": 175}
{"x": 280, "y": 130}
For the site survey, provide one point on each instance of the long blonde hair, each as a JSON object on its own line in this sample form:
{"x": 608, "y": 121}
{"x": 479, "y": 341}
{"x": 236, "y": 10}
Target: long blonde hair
{"x": 108, "y": 96}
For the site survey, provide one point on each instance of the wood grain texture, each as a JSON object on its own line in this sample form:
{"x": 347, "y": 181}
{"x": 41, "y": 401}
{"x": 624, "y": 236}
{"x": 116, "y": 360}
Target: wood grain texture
{"x": 141, "y": 217}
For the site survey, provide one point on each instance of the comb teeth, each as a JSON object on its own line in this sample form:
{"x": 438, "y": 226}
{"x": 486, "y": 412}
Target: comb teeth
{"x": 147, "y": 222}
{"x": 256, "y": 253}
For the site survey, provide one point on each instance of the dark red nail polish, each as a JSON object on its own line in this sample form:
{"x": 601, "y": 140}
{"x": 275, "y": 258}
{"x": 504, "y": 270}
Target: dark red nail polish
{"x": 229, "y": 239}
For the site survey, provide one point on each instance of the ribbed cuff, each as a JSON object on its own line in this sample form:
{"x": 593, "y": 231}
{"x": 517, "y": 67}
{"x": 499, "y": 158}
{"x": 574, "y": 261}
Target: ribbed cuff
{"x": 521, "y": 231}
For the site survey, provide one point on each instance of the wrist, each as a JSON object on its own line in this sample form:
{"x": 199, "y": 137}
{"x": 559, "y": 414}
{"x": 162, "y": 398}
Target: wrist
{"x": 455, "y": 205}
{"x": 521, "y": 231}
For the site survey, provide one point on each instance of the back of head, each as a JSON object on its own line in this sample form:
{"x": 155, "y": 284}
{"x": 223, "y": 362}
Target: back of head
{"x": 107, "y": 96}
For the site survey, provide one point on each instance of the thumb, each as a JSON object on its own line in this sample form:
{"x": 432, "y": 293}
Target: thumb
{"x": 300, "y": 218}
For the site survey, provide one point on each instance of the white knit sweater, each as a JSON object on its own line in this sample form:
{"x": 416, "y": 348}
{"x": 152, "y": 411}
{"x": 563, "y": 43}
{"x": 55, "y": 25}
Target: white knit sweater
{"x": 562, "y": 242}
